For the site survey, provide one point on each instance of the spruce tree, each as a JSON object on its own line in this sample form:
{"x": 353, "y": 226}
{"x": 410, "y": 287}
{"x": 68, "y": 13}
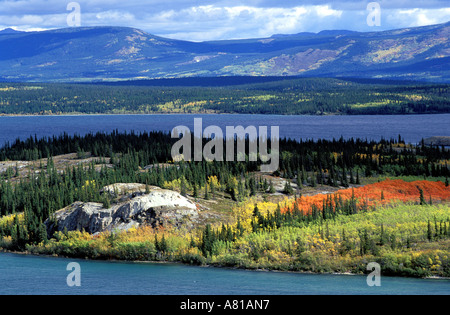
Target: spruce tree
{"x": 429, "y": 233}
{"x": 352, "y": 179}
{"x": 271, "y": 188}
{"x": 183, "y": 188}
{"x": 192, "y": 243}
{"x": 288, "y": 190}
{"x": 106, "y": 202}
{"x": 436, "y": 230}
{"x": 240, "y": 228}
{"x": 157, "y": 244}
{"x": 421, "y": 197}
{"x": 195, "y": 193}
{"x": 382, "y": 235}
{"x": 241, "y": 190}
{"x": 206, "y": 192}
{"x": 163, "y": 244}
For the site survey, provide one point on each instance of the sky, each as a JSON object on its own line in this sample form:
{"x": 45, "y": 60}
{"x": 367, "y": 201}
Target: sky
{"x": 202, "y": 20}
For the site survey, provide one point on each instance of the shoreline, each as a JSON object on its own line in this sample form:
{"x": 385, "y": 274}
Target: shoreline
{"x": 27, "y": 253}
{"x": 75, "y": 114}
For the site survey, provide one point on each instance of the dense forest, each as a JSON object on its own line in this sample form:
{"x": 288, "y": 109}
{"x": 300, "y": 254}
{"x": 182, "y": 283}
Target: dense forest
{"x": 272, "y": 95}
{"x": 146, "y": 158}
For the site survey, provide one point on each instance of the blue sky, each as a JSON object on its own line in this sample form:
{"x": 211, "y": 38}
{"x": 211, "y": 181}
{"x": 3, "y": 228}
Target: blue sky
{"x": 200, "y": 20}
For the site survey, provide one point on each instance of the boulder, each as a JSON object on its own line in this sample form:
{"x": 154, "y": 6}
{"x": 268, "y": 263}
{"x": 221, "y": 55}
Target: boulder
{"x": 159, "y": 207}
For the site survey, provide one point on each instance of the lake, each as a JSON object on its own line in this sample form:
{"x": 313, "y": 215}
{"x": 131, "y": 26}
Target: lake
{"x": 21, "y": 274}
{"x": 412, "y": 128}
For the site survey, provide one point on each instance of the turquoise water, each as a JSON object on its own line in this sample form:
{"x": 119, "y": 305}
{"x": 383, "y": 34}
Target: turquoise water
{"x": 411, "y": 127}
{"x": 21, "y": 274}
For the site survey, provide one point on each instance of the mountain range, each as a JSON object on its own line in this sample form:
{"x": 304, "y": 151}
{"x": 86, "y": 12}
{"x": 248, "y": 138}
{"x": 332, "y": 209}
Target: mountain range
{"x": 84, "y": 54}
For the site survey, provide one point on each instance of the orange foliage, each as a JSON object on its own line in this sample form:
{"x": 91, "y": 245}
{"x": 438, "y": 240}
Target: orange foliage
{"x": 380, "y": 193}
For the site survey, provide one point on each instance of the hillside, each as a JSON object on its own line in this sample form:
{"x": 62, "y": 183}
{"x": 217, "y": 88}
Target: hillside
{"x": 244, "y": 95}
{"x": 103, "y": 202}
{"x": 114, "y": 53}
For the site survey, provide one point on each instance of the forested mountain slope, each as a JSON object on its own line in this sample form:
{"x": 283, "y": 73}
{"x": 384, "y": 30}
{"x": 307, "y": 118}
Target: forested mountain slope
{"x": 113, "y": 53}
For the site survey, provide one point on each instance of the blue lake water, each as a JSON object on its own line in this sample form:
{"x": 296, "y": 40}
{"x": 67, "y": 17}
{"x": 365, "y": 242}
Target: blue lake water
{"x": 412, "y": 128}
{"x": 20, "y": 274}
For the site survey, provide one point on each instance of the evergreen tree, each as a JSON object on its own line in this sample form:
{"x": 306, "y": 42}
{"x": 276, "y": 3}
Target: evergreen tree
{"x": 157, "y": 244}
{"x": 17, "y": 174}
{"x": 206, "y": 192}
{"x": 239, "y": 228}
{"x": 429, "y": 232}
{"x": 352, "y": 179}
{"x": 183, "y": 188}
{"x": 288, "y": 190}
{"x": 301, "y": 247}
{"x": 195, "y": 193}
{"x": 241, "y": 190}
{"x": 207, "y": 241}
{"x": 382, "y": 235}
{"x": 271, "y": 188}
{"x": 192, "y": 242}
{"x": 421, "y": 197}
{"x": 163, "y": 244}
{"x": 106, "y": 201}
{"x": 436, "y": 231}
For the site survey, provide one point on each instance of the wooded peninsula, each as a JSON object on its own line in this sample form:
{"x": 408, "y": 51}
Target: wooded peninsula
{"x": 332, "y": 206}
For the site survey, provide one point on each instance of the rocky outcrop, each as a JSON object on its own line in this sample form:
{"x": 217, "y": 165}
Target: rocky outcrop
{"x": 156, "y": 208}
{"x": 120, "y": 189}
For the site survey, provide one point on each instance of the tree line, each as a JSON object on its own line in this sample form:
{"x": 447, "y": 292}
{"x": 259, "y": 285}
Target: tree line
{"x": 145, "y": 158}
{"x": 287, "y": 96}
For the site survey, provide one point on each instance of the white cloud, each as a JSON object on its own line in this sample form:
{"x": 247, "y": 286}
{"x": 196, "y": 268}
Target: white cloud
{"x": 234, "y": 22}
{"x": 325, "y": 10}
{"x": 224, "y": 19}
{"x": 416, "y": 17}
{"x": 114, "y": 17}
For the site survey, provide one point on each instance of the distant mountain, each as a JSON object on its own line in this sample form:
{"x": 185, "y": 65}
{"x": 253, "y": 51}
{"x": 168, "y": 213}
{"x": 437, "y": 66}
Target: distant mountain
{"x": 9, "y": 31}
{"x": 117, "y": 53}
